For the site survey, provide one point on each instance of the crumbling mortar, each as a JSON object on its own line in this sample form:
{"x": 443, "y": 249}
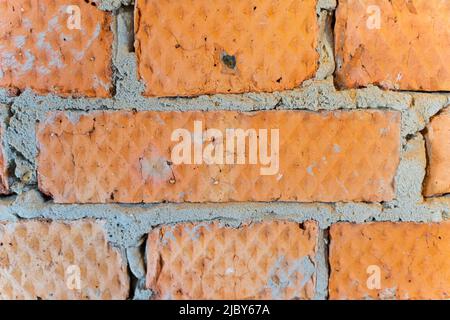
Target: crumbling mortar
{"x": 127, "y": 225}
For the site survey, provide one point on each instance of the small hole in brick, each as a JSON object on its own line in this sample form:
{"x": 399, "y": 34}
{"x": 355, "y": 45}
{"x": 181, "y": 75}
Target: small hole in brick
{"x": 279, "y": 79}
{"x": 229, "y": 61}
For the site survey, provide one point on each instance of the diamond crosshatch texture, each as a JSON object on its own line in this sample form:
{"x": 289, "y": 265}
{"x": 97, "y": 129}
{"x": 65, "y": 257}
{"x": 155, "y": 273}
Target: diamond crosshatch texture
{"x": 268, "y": 260}
{"x": 38, "y": 50}
{"x": 413, "y": 259}
{"x": 409, "y": 51}
{"x": 35, "y": 257}
{"x": 126, "y": 157}
{"x": 195, "y": 47}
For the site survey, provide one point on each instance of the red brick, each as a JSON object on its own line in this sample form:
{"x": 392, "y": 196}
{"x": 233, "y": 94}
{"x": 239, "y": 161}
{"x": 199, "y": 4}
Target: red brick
{"x": 39, "y": 51}
{"x": 411, "y": 260}
{"x": 41, "y": 260}
{"x": 437, "y": 138}
{"x": 269, "y": 260}
{"x": 408, "y": 52}
{"x": 181, "y": 45}
{"x": 126, "y": 157}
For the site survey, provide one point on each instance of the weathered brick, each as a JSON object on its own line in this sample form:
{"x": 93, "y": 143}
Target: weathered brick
{"x": 411, "y": 261}
{"x": 197, "y": 47}
{"x": 42, "y": 260}
{"x": 41, "y": 50}
{"x": 269, "y": 260}
{"x": 127, "y": 157}
{"x": 437, "y": 138}
{"x": 409, "y": 50}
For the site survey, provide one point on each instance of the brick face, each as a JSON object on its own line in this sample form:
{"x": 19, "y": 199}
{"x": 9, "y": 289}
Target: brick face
{"x": 127, "y": 157}
{"x": 263, "y": 45}
{"x": 37, "y": 261}
{"x": 437, "y": 138}
{"x": 408, "y": 52}
{"x": 205, "y": 133}
{"x": 269, "y": 260}
{"x": 412, "y": 259}
{"x": 40, "y": 49}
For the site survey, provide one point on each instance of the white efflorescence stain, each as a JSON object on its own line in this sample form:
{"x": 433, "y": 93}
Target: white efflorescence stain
{"x": 74, "y": 19}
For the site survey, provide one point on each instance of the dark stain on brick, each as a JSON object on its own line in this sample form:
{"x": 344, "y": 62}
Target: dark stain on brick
{"x": 229, "y": 61}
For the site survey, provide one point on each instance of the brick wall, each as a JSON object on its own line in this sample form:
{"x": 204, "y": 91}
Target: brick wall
{"x": 266, "y": 149}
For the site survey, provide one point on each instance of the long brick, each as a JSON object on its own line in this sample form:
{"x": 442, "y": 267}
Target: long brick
{"x": 42, "y": 48}
{"x": 410, "y": 260}
{"x": 127, "y": 157}
{"x": 269, "y": 260}
{"x": 52, "y": 260}
{"x": 195, "y": 47}
{"x": 409, "y": 50}
{"x": 437, "y": 139}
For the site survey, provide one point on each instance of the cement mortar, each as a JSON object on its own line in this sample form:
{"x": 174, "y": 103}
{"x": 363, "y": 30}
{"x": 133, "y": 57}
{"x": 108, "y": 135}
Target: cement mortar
{"x": 127, "y": 225}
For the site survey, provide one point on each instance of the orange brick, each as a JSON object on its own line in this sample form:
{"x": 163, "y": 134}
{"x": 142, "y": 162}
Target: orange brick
{"x": 127, "y": 157}
{"x": 4, "y": 184}
{"x": 40, "y": 48}
{"x": 437, "y": 138}
{"x": 194, "y": 47}
{"x": 409, "y": 50}
{"x": 411, "y": 261}
{"x": 43, "y": 260}
{"x": 269, "y": 260}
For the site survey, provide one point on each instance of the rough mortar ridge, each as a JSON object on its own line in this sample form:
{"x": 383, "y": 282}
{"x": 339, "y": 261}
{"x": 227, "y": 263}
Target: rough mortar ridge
{"x": 27, "y": 98}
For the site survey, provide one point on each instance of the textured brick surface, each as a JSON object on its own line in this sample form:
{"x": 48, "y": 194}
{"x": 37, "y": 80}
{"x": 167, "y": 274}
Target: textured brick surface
{"x": 413, "y": 260}
{"x": 36, "y": 258}
{"x": 126, "y": 157}
{"x": 270, "y": 260}
{"x": 38, "y": 50}
{"x": 437, "y": 138}
{"x": 409, "y": 52}
{"x": 209, "y": 46}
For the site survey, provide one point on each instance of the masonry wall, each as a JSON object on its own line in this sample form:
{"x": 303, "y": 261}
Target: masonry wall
{"x": 94, "y": 205}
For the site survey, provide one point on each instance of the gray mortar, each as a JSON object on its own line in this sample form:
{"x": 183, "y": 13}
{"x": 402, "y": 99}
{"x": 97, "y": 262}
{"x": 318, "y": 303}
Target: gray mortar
{"x": 322, "y": 269}
{"x": 127, "y": 225}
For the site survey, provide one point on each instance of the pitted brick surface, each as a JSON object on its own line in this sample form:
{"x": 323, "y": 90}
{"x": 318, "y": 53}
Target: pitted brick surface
{"x": 269, "y": 260}
{"x": 195, "y": 47}
{"x": 437, "y": 138}
{"x": 412, "y": 260}
{"x": 38, "y": 50}
{"x": 37, "y": 261}
{"x": 408, "y": 52}
{"x": 126, "y": 157}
